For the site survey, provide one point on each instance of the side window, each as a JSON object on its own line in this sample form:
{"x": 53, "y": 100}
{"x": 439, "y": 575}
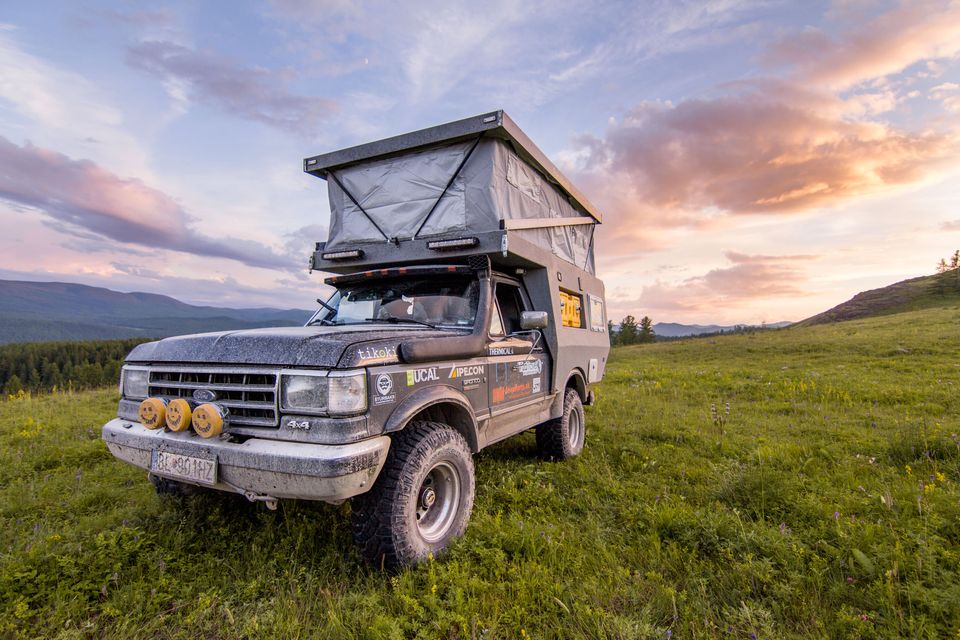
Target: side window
{"x": 496, "y": 325}
{"x": 511, "y": 306}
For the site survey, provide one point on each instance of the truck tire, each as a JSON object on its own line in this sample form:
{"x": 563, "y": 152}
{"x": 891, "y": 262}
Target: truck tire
{"x": 420, "y": 502}
{"x": 563, "y": 437}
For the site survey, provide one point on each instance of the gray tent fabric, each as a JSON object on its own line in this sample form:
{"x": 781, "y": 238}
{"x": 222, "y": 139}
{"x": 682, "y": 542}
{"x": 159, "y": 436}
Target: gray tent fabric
{"x": 494, "y": 184}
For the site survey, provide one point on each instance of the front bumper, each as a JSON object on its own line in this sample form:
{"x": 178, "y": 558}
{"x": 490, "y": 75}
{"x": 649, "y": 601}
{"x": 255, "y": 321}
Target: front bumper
{"x": 272, "y": 468}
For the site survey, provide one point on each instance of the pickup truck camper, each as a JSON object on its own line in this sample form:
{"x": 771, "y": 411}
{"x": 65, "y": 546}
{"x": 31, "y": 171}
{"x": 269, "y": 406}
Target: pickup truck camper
{"x": 465, "y": 310}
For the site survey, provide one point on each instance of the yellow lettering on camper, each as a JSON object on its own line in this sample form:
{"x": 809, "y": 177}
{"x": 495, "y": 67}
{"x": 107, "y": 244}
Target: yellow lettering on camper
{"x": 571, "y": 309}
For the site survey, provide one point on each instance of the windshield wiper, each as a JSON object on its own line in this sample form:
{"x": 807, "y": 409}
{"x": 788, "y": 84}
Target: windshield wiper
{"x": 395, "y": 320}
{"x": 326, "y": 321}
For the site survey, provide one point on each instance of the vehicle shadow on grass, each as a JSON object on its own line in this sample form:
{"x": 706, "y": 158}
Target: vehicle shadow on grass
{"x": 225, "y": 524}
{"x": 519, "y": 448}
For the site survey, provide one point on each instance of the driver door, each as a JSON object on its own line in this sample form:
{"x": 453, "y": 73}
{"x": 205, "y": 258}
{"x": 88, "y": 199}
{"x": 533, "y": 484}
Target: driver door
{"x": 518, "y": 377}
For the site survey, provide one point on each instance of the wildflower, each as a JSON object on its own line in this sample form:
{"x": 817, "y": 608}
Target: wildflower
{"x": 836, "y": 515}
{"x": 909, "y": 470}
{"x": 940, "y": 476}
{"x": 433, "y": 589}
{"x": 928, "y": 488}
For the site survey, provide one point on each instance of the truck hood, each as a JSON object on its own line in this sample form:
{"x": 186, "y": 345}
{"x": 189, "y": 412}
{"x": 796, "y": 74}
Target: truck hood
{"x": 313, "y": 346}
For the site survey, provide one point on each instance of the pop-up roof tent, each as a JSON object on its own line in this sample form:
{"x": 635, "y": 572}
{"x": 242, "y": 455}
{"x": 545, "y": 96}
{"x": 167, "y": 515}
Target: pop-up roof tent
{"x": 464, "y": 188}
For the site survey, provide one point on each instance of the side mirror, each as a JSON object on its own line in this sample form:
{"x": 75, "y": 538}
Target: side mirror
{"x": 533, "y": 320}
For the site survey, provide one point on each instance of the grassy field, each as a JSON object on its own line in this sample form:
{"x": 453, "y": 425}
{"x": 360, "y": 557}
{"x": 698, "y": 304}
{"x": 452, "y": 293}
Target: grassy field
{"x": 799, "y": 483}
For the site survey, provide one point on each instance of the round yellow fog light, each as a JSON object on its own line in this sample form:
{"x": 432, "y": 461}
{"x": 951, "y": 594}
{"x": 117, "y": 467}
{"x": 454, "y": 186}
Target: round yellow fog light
{"x": 178, "y": 415}
{"x": 208, "y": 419}
{"x": 152, "y": 413}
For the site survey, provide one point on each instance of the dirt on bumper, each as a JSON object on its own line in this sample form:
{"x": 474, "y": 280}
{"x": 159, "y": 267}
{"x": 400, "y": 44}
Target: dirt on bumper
{"x": 274, "y": 468}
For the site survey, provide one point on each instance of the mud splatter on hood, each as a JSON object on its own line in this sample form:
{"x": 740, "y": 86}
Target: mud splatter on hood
{"x": 314, "y": 346}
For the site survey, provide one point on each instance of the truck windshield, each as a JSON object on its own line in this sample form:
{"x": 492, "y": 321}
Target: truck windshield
{"x": 437, "y": 300}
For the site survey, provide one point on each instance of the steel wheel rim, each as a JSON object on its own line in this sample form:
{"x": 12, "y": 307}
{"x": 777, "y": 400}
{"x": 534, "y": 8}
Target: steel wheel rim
{"x": 438, "y": 500}
{"x": 575, "y": 427}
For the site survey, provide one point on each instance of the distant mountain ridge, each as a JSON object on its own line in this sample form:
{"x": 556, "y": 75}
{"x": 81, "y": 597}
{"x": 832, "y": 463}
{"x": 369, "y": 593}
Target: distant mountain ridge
{"x": 677, "y": 330}
{"x": 45, "y": 311}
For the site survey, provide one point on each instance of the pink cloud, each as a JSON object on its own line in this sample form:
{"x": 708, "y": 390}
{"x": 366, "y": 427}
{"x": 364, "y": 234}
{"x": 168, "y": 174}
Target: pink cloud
{"x": 913, "y": 31}
{"x": 750, "y": 277}
{"x": 763, "y": 146}
{"x": 81, "y": 198}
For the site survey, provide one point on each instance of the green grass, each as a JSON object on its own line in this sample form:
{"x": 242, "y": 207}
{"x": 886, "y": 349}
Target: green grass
{"x": 825, "y": 504}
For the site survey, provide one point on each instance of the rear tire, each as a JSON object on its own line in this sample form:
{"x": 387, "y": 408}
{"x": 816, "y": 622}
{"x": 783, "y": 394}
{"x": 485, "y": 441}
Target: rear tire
{"x": 563, "y": 438}
{"x": 421, "y": 501}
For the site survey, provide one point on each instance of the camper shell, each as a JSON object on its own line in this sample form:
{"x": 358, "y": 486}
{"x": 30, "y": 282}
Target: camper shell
{"x": 477, "y": 187}
{"x": 466, "y": 309}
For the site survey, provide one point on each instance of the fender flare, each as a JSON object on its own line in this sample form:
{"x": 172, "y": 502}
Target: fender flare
{"x": 579, "y": 383}
{"x": 427, "y": 397}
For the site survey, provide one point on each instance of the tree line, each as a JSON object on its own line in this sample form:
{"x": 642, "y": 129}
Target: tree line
{"x": 948, "y": 274}
{"x": 45, "y": 366}
{"x": 631, "y": 332}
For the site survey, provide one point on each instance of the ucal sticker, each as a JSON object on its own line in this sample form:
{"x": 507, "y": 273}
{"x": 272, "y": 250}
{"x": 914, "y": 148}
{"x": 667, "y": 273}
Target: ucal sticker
{"x": 416, "y": 376}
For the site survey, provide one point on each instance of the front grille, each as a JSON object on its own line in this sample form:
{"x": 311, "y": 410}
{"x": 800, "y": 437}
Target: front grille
{"x": 249, "y": 394}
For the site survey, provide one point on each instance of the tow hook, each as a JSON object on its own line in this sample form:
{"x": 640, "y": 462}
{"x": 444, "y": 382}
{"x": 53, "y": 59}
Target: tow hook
{"x": 252, "y": 496}
{"x": 269, "y": 501}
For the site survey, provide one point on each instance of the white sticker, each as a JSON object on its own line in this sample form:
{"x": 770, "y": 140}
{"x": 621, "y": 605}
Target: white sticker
{"x": 530, "y": 367}
{"x": 536, "y": 385}
{"x": 384, "y": 384}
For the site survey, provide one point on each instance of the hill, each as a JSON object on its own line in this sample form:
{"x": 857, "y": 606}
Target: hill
{"x": 913, "y": 294}
{"x": 802, "y": 483}
{"x": 47, "y": 311}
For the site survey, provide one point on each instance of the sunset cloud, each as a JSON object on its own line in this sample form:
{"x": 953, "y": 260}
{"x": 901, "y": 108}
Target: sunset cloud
{"x": 762, "y": 147}
{"x": 915, "y": 30}
{"x": 249, "y": 92}
{"x": 84, "y": 199}
{"x": 749, "y": 277}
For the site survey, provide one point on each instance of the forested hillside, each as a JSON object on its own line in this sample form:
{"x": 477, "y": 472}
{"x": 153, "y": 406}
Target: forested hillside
{"x": 43, "y": 366}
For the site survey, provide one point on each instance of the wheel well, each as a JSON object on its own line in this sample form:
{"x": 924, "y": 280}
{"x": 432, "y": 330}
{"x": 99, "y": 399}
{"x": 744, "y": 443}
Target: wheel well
{"x": 576, "y": 381}
{"x": 452, "y": 414}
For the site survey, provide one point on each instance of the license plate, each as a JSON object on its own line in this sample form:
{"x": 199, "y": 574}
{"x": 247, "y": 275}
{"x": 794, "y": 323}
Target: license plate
{"x": 175, "y": 465}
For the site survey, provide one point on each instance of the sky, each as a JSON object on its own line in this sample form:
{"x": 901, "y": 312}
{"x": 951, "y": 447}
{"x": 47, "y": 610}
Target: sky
{"x": 755, "y": 161}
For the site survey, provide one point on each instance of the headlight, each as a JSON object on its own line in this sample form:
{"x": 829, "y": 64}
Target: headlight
{"x": 347, "y": 393}
{"x": 336, "y": 393}
{"x": 134, "y": 382}
{"x": 304, "y": 393}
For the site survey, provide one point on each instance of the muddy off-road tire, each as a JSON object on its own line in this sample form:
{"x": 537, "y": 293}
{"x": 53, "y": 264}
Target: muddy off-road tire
{"x": 420, "y": 502}
{"x": 562, "y": 438}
